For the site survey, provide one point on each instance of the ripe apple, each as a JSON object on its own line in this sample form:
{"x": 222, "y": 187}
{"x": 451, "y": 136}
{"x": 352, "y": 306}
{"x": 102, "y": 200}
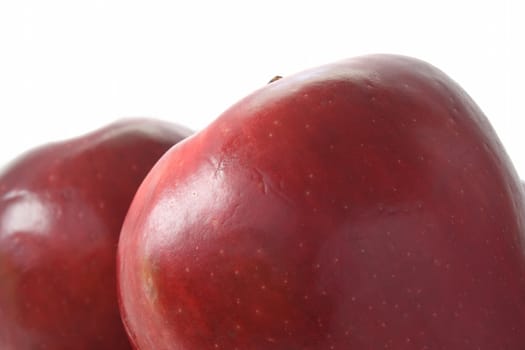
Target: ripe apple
{"x": 61, "y": 209}
{"x": 366, "y": 204}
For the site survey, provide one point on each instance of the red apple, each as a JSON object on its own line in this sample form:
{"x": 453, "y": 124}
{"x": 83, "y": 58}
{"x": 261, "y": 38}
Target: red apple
{"x": 61, "y": 209}
{"x": 366, "y": 204}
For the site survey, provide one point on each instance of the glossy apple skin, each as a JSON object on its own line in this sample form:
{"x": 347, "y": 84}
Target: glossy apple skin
{"x": 61, "y": 209}
{"x": 366, "y": 204}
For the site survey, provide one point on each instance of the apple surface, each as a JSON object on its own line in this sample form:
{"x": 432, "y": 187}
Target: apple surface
{"x": 366, "y": 204}
{"x": 61, "y": 210}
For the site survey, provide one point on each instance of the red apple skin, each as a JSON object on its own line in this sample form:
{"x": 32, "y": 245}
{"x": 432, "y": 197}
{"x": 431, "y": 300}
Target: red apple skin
{"x": 61, "y": 209}
{"x": 366, "y": 204}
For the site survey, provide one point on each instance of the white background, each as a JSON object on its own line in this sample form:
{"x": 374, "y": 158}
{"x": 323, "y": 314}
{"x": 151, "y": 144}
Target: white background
{"x": 68, "y": 67}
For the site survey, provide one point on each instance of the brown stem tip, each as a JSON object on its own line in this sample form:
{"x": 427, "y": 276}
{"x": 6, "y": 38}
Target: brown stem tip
{"x": 277, "y": 77}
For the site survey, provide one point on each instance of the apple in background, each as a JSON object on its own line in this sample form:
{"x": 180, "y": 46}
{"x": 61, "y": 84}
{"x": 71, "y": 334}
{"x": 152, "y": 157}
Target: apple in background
{"x": 366, "y": 204}
{"x": 61, "y": 210}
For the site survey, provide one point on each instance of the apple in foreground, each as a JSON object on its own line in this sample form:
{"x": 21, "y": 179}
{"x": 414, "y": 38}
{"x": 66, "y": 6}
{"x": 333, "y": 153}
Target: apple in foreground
{"x": 366, "y": 204}
{"x": 61, "y": 209}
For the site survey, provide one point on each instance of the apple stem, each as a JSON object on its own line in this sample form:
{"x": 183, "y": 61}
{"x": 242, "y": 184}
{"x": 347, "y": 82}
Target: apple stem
{"x": 277, "y": 77}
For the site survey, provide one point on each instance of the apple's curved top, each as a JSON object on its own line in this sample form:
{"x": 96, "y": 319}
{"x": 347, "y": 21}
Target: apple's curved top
{"x": 374, "y": 99}
{"x": 406, "y": 76}
{"x": 122, "y": 129}
{"x": 141, "y": 126}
